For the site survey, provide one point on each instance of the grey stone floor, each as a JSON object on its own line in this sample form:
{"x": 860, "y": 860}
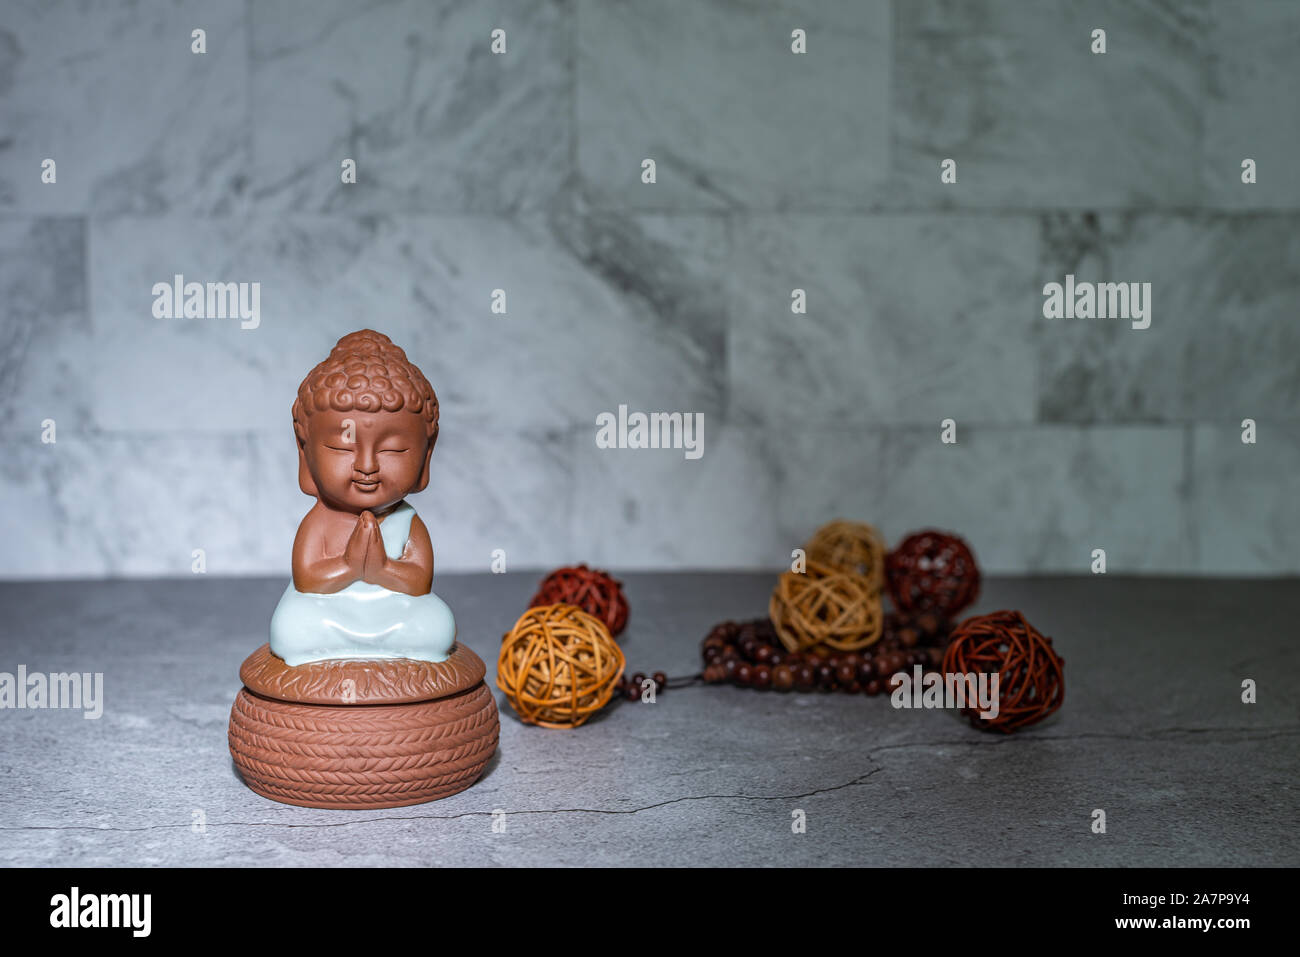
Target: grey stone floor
{"x": 1153, "y": 731}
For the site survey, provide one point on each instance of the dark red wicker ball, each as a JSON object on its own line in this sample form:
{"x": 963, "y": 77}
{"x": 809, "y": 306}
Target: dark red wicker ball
{"x": 1031, "y": 675}
{"x": 594, "y": 591}
{"x": 932, "y": 571}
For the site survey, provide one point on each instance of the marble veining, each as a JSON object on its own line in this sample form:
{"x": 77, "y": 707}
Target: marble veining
{"x": 776, "y": 171}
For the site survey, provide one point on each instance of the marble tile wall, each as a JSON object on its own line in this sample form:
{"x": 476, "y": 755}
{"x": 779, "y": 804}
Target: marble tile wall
{"x": 775, "y": 171}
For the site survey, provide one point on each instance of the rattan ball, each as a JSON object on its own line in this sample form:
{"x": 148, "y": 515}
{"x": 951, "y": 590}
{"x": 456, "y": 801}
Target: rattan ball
{"x": 558, "y": 666}
{"x": 592, "y": 590}
{"x": 1031, "y": 675}
{"x": 825, "y": 607}
{"x": 932, "y": 571}
{"x": 850, "y": 546}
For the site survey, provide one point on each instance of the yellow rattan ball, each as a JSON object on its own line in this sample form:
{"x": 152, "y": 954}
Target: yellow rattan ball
{"x": 850, "y": 546}
{"x": 826, "y": 607}
{"x": 558, "y": 666}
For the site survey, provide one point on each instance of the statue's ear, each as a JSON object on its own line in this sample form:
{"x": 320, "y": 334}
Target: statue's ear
{"x": 423, "y": 482}
{"x": 305, "y": 480}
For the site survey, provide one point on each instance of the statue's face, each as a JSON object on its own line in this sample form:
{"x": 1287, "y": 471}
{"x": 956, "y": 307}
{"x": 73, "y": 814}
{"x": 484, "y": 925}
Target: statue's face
{"x": 366, "y": 460}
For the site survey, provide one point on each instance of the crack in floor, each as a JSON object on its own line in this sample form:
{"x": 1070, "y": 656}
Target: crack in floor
{"x": 452, "y": 817}
{"x": 990, "y": 741}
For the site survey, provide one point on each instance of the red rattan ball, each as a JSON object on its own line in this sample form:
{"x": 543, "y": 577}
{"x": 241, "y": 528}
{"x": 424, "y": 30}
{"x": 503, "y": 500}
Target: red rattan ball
{"x": 594, "y": 591}
{"x": 932, "y": 571}
{"x": 1031, "y": 675}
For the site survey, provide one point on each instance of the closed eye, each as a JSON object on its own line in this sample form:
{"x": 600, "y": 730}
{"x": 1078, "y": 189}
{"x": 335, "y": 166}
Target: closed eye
{"x": 394, "y": 450}
{"x": 334, "y": 448}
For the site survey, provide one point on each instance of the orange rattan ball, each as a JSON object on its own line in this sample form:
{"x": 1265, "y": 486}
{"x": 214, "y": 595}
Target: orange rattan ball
{"x": 558, "y": 666}
{"x": 851, "y": 546}
{"x": 826, "y": 607}
{"x": 1031, "y": 675}
{"x": 595, "y": 592}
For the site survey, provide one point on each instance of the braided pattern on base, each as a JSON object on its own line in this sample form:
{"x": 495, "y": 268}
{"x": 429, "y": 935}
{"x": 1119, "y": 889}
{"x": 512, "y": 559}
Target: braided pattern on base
{"x": 363, "y": 757}
{"x": 361, "y": 681}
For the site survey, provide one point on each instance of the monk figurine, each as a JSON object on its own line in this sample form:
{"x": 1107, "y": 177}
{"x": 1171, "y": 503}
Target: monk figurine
{"x": 363, "y": 698}
{"x": 365, "y": 420}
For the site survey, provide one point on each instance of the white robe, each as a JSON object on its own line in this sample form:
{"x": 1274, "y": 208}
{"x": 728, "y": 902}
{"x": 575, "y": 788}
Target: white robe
{"x": 364, "y": 620}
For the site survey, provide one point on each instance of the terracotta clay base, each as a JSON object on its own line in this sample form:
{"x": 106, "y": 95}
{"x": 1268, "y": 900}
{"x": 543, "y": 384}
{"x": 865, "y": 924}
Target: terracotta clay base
{"x": 360, "y": 752}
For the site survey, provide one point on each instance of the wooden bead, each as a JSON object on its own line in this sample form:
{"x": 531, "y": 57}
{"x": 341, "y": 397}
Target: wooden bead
{"x": 782, "y": 678}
